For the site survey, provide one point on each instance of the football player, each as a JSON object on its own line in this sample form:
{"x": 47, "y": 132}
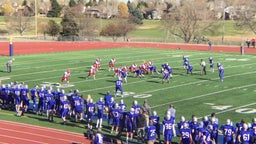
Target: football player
{"x": 100, "y": 109}
{"x": 168, "y": 129}
{"x": 111, "y": 64}
{"x": 228, "y": 131}
{"x": 221, "y": 71}
{"x": 92, "y": 72}
{"x": 211, "y": 64}
{"x": 119, "y": 86}
{"x": 66, "y": 76}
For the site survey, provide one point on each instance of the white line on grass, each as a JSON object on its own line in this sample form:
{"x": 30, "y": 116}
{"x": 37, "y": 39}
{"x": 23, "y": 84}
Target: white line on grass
{"x": 204, "y": 95}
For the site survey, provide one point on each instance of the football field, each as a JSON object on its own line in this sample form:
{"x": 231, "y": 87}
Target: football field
{"x": 195, "y": 94}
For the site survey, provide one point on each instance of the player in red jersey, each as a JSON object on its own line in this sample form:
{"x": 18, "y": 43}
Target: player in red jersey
{"x": 133, "y": 67}
{"x": 66, "y": 76}
{"x": 111, "y": 64}
{"x": 92, "y": 72}
{"x": 97, "y": 63}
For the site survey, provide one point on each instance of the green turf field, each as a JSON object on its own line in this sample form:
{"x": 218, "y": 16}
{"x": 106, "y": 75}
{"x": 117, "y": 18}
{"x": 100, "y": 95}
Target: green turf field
{"x": 191, "y": 94}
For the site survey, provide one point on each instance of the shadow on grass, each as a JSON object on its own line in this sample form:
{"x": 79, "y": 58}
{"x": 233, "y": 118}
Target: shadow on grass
{"x": 82, "y": 77}
{"x": 44, "y": 119}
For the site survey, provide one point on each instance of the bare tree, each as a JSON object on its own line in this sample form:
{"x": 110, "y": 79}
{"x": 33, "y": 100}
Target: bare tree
{"x": 118, "y": 28}
{"x": 20, "y": 22}
{"x": 246, "y": 14}
{"x": 189, "y": 19}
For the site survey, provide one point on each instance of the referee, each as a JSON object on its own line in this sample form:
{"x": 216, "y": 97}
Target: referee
{"x": 9, "y": 65}
{"x": 203, "y": 65}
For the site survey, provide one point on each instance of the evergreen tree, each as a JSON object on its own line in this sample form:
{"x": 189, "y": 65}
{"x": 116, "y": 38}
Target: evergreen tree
{"x": 135, "y": 14}
{"x": 72, "y": 3}
{"x": 70, "y": 27}
{"x": 56, "y": 9}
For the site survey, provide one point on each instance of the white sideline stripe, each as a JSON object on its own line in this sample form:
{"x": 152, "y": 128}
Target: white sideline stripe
{"x": 42, "y": 136}
{"x": 204, "y": 95}
{"x": 42, "y": 128}
{"x": 11, "y": 137}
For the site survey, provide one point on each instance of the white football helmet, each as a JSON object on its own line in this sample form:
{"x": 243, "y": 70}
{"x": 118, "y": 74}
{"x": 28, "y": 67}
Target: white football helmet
{"x": 182, "y": 118}
{"x": 154, "y": 113}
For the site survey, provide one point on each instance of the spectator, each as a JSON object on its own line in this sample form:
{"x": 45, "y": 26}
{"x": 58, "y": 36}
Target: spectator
{"x": 248, "y": 42}
{"x": 141, "y": 122}
{"x": 146, "y": 108}
{"x": 209, "y": 45}
{"x": 253, "y": 42}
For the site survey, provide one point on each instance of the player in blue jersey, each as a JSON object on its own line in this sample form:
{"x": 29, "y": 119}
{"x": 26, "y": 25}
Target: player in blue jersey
{"x": 152, "y": 68}
{"x": 155, "y": 119}
{"x": 122, "y": 110}
{"x": 100, "y": 111}
{"x": 130, "y": 125}
{"x": 10, "y": 98}
{"x": 51, "y": 106}
{"x": 206, "y": 135}
{"x": 122, "y": 105}
{"x": 98, "y": 138}
{"x": 17, "y": 99}
{"x": 189, "y": 68}
{"x": 33, "y": 95}
{"x": 111, "y": 106}
{"x": 138, "y": 73}
{"x": 211, "y": 64}
{"x": 90, "y": 113}
{"x": 200, "y": 132}
{"x": 194, "y": 125}
{"x": 168, "y": 129}
{"x": 65, "y": 106}
{"x": 228, "y": 131}
{"x": 41, "y": 101}
{"x": 221, "y": 71}
{"x": 239, "y": 128}
{"x": 166, "y": 76}
{"x": 151, "y": 133}
{"x": 215, "y": 130}
{"x": 119, "y": 86}
{"x": 180, "y": 124}
{"x": 185, "y": 61}
{"x": 253, "y": 129}
{"x": 78, "y": 107}
{"x": 48, "y": 97}
{"x": 205, "y": 121}
{"x": 123, "y": 73}
{"x": 2, "y": 88}
{"x": 116, "y": 118}
{"x": 136, "y": 108}
{"x": 185, "y": 134}
{"x": 107, "y": 99}
{"x": 245, "y": 136}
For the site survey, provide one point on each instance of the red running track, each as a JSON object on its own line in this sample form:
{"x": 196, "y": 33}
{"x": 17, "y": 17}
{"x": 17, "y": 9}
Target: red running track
{"x": 18, "y": 133}
{"x": 49, "y": 47}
